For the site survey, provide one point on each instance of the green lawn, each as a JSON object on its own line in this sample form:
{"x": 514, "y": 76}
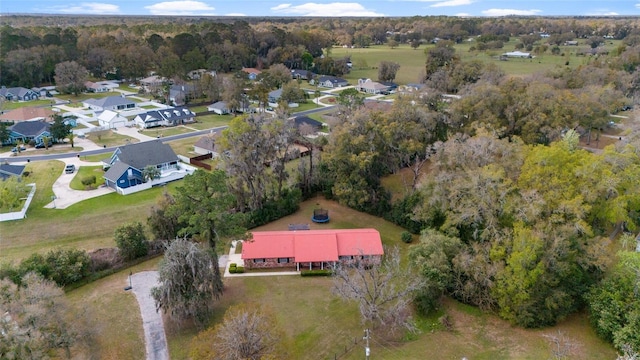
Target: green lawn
{"x": 110, "y": 138}
{"x": 167, "y": 131}
{"x": 210, "y": 121}
{"x": 184, "y": 147}
{"x": 309, "y": 105}
{"x": 12, "y": 105}
{"x": 85, "y": 225}
{"x": 86, "y": 171}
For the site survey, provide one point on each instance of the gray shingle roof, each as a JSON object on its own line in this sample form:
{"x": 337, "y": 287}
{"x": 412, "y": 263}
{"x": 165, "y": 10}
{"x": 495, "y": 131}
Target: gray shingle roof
{"x": 30, "y": 128}
{"x": 301, "y": 120}
{"x": 172, "y": 115}
{"x": 109, "y": 101}
{"x": 146, "y": 153}
{"x": 7, "y": 170}
{"x": 115, "y": 171}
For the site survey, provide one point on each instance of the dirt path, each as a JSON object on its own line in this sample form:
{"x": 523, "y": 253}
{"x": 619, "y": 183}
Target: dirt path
{"x": 154, "y": 335}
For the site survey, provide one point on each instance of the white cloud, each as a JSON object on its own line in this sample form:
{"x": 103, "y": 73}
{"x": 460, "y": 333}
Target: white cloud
{"x": 507, "y": 12}
{"x": 463, "y": 15}
{"x": 181, "y": 8}
{"x": 451, "y": 3}
{"x": 603, "y": 13}
{"x": 88, "y": 8}
{"x": 235, "y": 14}
{"x": 331, "y": 9}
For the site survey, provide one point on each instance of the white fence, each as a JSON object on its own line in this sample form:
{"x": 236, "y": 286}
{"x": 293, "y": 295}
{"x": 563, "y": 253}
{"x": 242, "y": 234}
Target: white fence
{"x": 165, "y": 178}
{"x": 19, "y": 215}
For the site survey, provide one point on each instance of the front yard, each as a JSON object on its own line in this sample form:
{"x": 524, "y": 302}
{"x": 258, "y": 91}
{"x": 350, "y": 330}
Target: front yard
{"x": 110, "y": 138}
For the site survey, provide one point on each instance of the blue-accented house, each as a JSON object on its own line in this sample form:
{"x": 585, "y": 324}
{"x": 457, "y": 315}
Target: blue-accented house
{"x": 9, "y": 170}
{"x": 127, "y": 163}
{"x": 27, "y": 131}
{"x": 18, "y": 94}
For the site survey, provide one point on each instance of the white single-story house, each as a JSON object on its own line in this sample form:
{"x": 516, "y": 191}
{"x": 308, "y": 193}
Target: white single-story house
{"x": 219, "y": 108}
{"x": 112, "y": 120}
{"x": 371, "y": 87}
{"x": 206, "y": 145}
{"x": 517, "y": 54}
{"x": 332, "y": 81}
{"x": 96, "y": 87}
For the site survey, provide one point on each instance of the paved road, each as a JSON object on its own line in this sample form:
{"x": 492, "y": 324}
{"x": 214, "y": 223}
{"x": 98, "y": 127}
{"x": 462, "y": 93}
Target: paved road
{"x": 154, "y": 336}
{"x": 103, "y": 150}
{"x": 23, "y": 158}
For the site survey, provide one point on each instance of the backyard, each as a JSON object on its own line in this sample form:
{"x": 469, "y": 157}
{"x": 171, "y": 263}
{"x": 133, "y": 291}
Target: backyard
{"x": 324, "y": 332}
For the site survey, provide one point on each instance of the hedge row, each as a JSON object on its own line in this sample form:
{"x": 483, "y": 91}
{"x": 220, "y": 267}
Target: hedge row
{"x": 316, "y": 273}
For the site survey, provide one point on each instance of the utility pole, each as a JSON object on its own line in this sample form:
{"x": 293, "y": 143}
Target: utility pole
{"x": 367, "y": 350}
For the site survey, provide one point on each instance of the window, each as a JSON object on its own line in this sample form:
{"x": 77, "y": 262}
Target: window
{"x": 258, "y": 260}
{"x": 346, "y": 257}
{"x": 283, "y": 260}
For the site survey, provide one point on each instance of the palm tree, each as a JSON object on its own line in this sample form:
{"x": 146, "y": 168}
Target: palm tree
{"x": 71, "y": 137}
{"x": 150, "y": 172}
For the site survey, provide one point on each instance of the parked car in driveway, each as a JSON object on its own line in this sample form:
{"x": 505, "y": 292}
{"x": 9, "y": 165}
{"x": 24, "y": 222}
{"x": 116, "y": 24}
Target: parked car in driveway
{"x": 69, "y": 169}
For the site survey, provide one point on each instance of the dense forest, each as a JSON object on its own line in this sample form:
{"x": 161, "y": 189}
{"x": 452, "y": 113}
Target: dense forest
{"x": 514, "y": 216}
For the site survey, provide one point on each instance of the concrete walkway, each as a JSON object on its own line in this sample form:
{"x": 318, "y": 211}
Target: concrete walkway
{"x": 154, "y": 336}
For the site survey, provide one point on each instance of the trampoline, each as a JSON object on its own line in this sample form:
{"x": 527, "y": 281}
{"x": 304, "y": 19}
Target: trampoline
{"x": 320, "y": 216}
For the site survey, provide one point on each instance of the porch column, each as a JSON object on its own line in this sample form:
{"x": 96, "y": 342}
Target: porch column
{"x": 297, "y": 266}
{"x": 310, "y": 265}
{"x": 322, "y": 265}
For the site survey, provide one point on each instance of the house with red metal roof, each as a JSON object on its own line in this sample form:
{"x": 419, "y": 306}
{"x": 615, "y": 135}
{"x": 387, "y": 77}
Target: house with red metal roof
{"x": 311, "y": 249}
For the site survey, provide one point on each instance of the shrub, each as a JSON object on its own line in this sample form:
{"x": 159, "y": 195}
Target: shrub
{"x": 131, "y": 241}
{"x": 62, "y": 266}
{"x": 240, "y": 269}
{"x": 233, "y": 265}
{"x": 406, "y": 237}
{"x": 88, "y": 180}
{"x": 316, "y": 273}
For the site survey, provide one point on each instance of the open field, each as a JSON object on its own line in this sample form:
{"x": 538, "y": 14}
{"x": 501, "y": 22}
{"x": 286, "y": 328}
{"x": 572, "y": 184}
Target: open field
{"x": 412, "y": 61}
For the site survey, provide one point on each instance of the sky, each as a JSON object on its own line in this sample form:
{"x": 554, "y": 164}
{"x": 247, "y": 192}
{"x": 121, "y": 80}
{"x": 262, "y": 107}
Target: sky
{"x": 388, "y": 8}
